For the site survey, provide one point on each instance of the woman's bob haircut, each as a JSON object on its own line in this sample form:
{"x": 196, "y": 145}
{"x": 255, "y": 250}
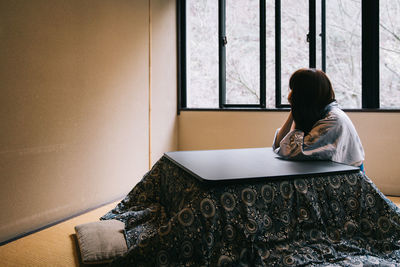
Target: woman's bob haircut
{"x": 311, "y": 91}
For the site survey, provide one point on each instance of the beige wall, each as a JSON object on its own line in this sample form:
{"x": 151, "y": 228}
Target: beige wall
{"x": 221, "y": 130}
{"x": 164, "y": 121}
{"x": 75, "y": 81}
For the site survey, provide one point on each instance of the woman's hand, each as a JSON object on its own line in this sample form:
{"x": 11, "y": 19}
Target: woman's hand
{"x": 289, "y": 125}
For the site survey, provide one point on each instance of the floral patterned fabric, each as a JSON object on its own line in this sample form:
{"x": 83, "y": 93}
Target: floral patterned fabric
{"x": 173, "y": 219}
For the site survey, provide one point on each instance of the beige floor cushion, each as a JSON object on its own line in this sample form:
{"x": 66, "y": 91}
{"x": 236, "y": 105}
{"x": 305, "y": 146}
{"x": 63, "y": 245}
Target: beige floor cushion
{"x": 102, "y": 241}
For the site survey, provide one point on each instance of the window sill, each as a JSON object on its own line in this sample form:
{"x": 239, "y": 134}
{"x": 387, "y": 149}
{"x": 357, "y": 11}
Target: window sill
{"x": 283, "y": 110}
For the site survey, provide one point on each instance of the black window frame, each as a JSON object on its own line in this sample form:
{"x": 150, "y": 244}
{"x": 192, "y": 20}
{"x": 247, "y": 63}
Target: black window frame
{"x": 369, "y": 55}
{"x": 222, "y": 57}
{"x": 311, "y": 39}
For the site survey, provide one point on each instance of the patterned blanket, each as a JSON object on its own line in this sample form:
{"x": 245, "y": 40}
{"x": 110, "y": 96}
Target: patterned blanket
{"x": 173, "y": 219}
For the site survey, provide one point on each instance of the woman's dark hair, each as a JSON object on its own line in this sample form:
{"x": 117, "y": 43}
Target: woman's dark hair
{"x": 311, "y": 91}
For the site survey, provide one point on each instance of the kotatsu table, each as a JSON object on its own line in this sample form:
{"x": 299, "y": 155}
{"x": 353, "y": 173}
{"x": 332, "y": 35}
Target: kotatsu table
{"x": 250, "y": 163}
{"x": 246, "y": 207}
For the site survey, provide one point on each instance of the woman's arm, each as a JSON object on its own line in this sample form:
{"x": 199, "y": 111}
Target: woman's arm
{"x": 319, "y": 143}
{"x": 283, "y": 131}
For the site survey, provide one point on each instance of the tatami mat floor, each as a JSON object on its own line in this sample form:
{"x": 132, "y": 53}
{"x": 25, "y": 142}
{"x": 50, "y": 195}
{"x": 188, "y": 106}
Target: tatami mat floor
{"x": 54, "y": 246}
{"x": 57, "y": 245}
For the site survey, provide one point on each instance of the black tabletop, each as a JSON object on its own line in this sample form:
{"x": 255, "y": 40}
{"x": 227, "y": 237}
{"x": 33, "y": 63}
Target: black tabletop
{"x": 250, "y": 163}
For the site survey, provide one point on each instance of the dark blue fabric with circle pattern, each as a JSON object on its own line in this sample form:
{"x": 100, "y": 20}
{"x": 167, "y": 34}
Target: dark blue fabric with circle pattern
{"x": 173, "y": 219}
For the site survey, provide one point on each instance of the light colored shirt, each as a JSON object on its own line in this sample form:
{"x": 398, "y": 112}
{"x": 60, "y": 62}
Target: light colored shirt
{"x": 331, "y": 138}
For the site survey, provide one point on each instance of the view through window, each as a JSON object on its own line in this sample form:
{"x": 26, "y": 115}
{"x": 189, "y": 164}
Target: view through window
{"x": 389, "y": 53}
{"x": 342, "y": 50}
{"x": 202, "y": 53}
{"x": 242, "y": 50}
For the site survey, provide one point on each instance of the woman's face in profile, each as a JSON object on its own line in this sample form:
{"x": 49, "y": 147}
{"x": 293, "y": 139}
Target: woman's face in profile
{"x": 289, "y": 97}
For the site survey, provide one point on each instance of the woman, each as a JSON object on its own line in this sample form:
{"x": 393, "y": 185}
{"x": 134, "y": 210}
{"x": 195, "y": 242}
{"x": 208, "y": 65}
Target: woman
{"x": 316, "y": 128}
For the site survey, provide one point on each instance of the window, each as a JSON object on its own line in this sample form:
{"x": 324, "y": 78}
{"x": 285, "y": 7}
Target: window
{"x": 242, "y": 49}
{"x": 343, "y": 50}
{"x": 202, "y": 53}
{"x": 240, "y": 54}
{"x": 389, "y": 51}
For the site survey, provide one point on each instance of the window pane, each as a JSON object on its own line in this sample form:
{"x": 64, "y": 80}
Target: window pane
{"x": 270, "y": 53}
{"x": 343, "y": 50}
{"x": 389, "y": 53}
{"x": 243, "y": 52}
{"x": 294, "y": 45}
{"x": 202, "y": 53}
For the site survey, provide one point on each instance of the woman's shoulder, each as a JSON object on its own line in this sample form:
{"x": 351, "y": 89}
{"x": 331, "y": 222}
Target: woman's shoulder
{"x": 333, "y": 112}
{"x": 333, "y": 117}
{"x": 337, "y": 118}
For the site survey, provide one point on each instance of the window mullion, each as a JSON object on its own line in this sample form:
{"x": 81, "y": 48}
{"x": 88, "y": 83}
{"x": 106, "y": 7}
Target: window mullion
{"x": 181, "y": 36}
{"x": 263, "y": 61}
{"x": 370, "y": 53}
{"x": 311, "y": 34}
{"x": 323, "y": 35}
{"x": 278, "y": 53}
{"x": 222, "y": 52}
